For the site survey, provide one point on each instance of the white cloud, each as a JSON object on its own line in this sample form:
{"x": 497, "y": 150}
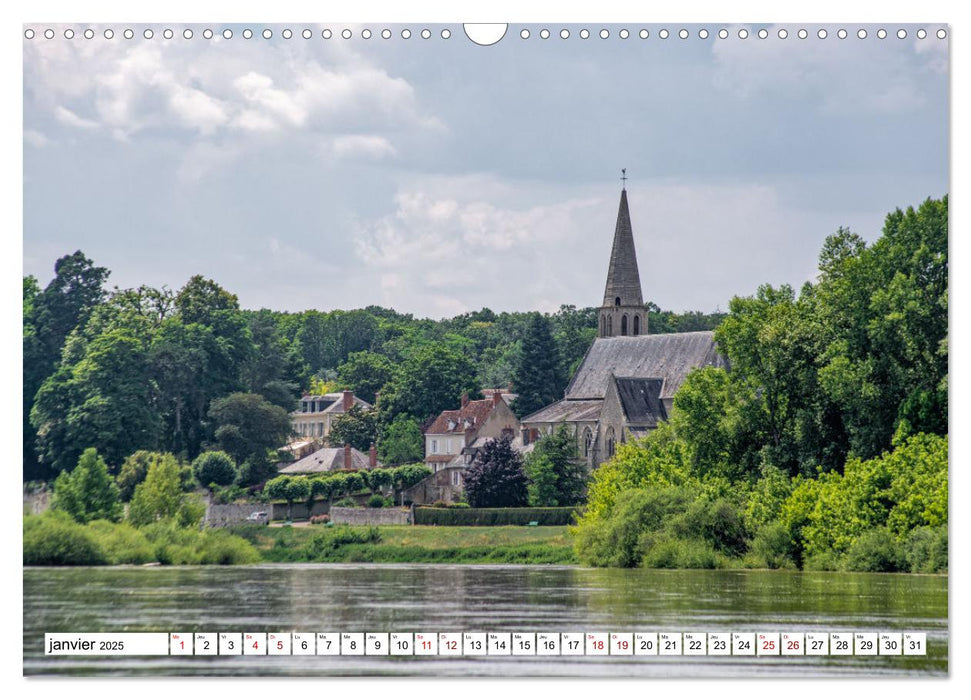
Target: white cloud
{"x": 360, "y": 145}
{"x": 197, "y": 87}
{"x": 835, "y": 76}
{"x": 36, "y": 138}
{"x": 69, "y": 118}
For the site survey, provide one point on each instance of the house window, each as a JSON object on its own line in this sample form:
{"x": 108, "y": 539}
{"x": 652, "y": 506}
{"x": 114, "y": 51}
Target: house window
{"x": 434, "y": 447}
{"x": 448, "y": 447}
{"x": 587, "y": 442}
{"x": 320, "y": 427}
{"x": 623, "y": 325}
{"x": 617, "y": 301}
{"x": 637, "y": 325}
{"x": 456, "y": 478}
{"x": 611, "y": 440}
{"x": 610, "y": 325}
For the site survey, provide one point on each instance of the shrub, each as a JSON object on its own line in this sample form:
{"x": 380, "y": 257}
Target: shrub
{"x": 925, "y": 550}
{"x": 347, "y": 502}
{"x": 320, "y": 519}
{"x": 88, "y": 492}
{"x": 325, "y": 543}
{"x": 215, "y": 468}
{"x": 663, "y": 552}
{"x": 121, "y": 543}
{"x": 717, "y": 522}
{"x": 376, "y": 501}
{"x": 57, "y": 540}
{"x": 464, "y": 515}
{"x": 612, "y": 539}
{"x": 874, "y": 550}
{"x": 183, "y": 546}
{"x": 772, "y": 548}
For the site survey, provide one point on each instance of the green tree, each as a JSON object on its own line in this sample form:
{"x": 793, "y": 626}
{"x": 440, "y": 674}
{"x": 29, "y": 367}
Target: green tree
{"x": 87, "y": 492}
{"x": 557, "y": 476}
{"x": 159, "y": 496}
{"x": 365, "y": 373}
{"x": 215, "y": 468}
{"x": 248, "y": 427}
{"x": 49, "y": 316}
{"x": 102, "y": 400}
{"x": 537, "y": 379}
{"x": 495, "y": 479}
{"x": 134, "y": 470}
{"x": 401, "y": 442}
{"x": 357, "y": 427}
{"x": 429, "y": 381}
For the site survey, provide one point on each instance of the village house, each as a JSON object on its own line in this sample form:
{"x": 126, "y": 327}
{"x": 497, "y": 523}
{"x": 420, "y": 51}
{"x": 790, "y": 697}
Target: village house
{"x": 317, "y": 413}
{"x": 626, "y": 382}
{"x": 330, "y": 459}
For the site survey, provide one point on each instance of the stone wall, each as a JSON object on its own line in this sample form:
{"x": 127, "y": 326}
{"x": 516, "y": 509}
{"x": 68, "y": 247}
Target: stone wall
{"x": 278, "y": 511}
{"x": 36, "y": 503}
{"x": 218, "y": 515}
{"x": 371, "y": 516}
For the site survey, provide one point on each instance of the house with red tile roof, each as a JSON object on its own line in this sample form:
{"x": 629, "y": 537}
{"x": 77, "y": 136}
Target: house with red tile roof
{"x": 454, "y": 430}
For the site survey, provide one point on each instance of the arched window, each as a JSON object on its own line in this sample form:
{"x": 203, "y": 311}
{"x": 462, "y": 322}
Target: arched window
{"x": 611, "y": 441}
{"x": 610, "y": 325}
{"x": 617, "y": 301}
{"x": 623, "y": 325}
{"x": 637, "y": 324}
{"x": 587, "y": 442}
{"x": 602, "y": 325}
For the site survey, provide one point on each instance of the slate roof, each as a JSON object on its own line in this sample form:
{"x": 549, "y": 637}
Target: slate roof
{"x": 623, "y": 279}
{"x": 665, "y": 356}
{"x": 641, "y": 400}
{"x": 566, "y": 410}
{"x": 326, "y": 460}
{"x": 475, "y": 412}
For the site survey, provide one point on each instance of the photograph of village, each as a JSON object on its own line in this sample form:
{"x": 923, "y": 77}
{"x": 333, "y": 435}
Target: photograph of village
{"x": 613, "y": 332}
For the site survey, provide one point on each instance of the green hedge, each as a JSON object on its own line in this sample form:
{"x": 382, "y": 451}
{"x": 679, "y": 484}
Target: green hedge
{"x": 493, "y": 516}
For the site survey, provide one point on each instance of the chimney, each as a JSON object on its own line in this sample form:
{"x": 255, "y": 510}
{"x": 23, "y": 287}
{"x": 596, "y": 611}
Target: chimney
{"x": 496, "y": 397}
{"x": 348, "y": 460}
{"x": 348, "y": 398}
{"x": 465, "y": 399}
{"x": 372, "y": 456}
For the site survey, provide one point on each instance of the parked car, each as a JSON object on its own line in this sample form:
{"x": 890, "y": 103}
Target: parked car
{"x": 260, "y": 516}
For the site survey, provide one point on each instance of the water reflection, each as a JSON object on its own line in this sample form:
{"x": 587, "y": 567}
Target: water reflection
{"x": 432, "y": 598}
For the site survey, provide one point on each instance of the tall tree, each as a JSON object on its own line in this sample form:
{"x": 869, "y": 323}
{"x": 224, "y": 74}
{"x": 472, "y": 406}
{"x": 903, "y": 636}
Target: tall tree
{"x": 49, "y": 316}
{"x": 495, "y": 479}
{"x": 366, "y": 373}
{"x": 87, "y": 492}
{"x": 557, "y": 476}
{"x": 248, "y": 428}
{"x": 537, "y": 379}
{"x": 357, "y": 427}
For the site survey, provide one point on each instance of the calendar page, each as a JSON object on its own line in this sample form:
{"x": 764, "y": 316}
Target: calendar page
{"x": 581, "y": 349}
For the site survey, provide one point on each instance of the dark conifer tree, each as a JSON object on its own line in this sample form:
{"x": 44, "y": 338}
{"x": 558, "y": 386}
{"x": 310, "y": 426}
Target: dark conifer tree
{"x": 537, "y": 379}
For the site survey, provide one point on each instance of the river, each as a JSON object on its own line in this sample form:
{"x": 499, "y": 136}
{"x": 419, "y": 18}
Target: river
{"x": 442, "y": 598}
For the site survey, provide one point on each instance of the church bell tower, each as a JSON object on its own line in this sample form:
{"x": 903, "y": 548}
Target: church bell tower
{"x": 623, "y": 312}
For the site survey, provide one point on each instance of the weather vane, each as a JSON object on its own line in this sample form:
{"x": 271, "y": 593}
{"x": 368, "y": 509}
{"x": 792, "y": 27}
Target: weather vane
{"x": 623, "y": 176}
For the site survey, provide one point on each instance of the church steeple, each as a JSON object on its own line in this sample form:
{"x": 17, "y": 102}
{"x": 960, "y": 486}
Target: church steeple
{"x": 622, "y": 312}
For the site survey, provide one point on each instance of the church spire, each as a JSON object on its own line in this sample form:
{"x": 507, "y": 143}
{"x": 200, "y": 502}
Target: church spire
{"x": 623, "y": 279}
{"x": 623, "y": 311}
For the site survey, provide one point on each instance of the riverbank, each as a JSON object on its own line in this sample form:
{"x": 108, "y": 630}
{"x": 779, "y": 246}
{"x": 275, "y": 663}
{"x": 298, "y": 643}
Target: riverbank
{"x": 413, "y": 544}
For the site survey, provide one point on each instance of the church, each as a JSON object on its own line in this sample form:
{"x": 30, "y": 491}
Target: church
{"x": 626, "y": 382}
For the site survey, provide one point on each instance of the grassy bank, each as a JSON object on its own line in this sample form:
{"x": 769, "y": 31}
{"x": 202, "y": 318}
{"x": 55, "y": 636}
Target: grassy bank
{"x": 413, "y": 544}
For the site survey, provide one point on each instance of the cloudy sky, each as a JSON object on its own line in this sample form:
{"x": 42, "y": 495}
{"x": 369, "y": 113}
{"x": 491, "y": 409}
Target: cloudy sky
{"x": 436, "y": 176}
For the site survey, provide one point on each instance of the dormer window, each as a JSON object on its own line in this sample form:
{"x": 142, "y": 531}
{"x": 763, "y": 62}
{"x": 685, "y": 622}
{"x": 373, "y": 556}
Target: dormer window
{"x": 451, "y": 425}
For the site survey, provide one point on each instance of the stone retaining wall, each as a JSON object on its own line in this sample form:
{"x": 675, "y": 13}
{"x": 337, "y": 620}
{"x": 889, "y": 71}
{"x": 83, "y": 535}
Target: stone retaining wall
{"x": 371, "y": 516}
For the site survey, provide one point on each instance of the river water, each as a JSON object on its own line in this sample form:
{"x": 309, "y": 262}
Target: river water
{"x": 437, "y": 598}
